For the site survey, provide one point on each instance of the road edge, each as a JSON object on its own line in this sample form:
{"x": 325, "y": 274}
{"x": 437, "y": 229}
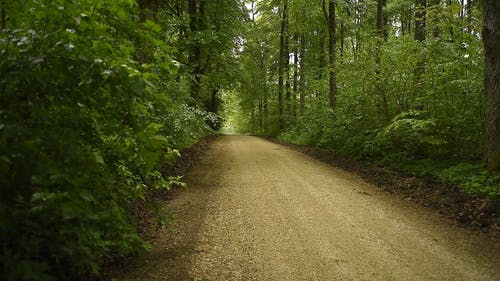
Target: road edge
{"x": 468, "y": 211}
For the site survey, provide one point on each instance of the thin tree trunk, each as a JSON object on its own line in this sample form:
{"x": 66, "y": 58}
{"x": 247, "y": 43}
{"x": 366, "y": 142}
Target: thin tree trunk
{"x": 330, "y": 17}
{"x": 196, "y": 23}
{"x": 261, "y": 123}
{"x": 201, "y": 15}
{"x": 491, "y": 39}
{"x": 281, "y": 64}
{"x": 409, "y": 25}
{"x": 450, "y": 18}
{"x": 420, "y": 20}
{"x": 468, "y": 11}
{"x": 436, "y": 33}
{"x": 148, "y": 9}
{"x": 403, "y": 25}
{"x": 342, "y": 40}
{"x": 266, "y": 109}
{"x": 295, "y": 76}
{"x": 357, "y": 13}
{"x": 4, "y": 17}
{"x": 420, "y": 26}
{"x": 264, "y": 88}
{"x": 288, "y": 88}
{"x": 302, "y": 81}
{"x": 381, "y": 19}
{"x": 322, "y": 56}
{"x": 378, "y": 71}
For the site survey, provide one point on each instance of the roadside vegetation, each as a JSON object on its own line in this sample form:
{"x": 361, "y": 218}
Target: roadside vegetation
{"x": 399, "y": 83}
{"x": 98, "y": 97}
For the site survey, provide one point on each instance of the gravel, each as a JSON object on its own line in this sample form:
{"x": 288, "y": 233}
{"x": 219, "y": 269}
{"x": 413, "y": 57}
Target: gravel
{"x": 256, "y": 210}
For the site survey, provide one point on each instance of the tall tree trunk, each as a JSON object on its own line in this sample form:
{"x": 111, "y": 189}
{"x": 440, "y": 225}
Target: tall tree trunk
{"x": 330, "y": 17}
{"x": 266, "y": 108}
{"x": 381, "y": 32}
{"x": 381, "y": 19}
{"x": 214, "y": 101}
{"x": 491, "y": 39}
{"x": 322, "y": 56}
{"x": 469, "y": 8}
{"x": 180, "y": 9}
{"x": 201, "y": 15}
{"x": 4, "y": 17}
{"x": 450, "y": 18}
{"x": 196, "y": 22}
{"x": 302, "y": 79}
{"x": 358, "y": 19}
{"x": 436, "y": 33}
{"x": 403, "y": 25}
{"x": 148, "y": 9}
{"x": 420, "y": 19}
{"x": 342, "y": 40}
{"x": 261, "y": 121}
{"x": 420, "y": 32}
{"x": 281, "y": 63}
{"x": 409, "y": 23}
{"x": 295, "y": 75}
{"x": 262, "y": 67}
{"x": 286, "y": 58}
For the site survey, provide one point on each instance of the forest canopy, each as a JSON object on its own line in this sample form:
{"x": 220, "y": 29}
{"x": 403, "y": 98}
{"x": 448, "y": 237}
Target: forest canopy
{"x": 400, "y": 83}
{"x": 98, "y": 97}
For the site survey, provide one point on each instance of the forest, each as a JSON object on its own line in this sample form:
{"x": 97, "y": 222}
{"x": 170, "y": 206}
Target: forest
{"x": 97, "y": 98}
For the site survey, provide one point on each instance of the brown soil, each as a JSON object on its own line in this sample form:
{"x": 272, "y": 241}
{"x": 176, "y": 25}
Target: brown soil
{"x": 146, "y": 217}
{"x": 256, "y": 210}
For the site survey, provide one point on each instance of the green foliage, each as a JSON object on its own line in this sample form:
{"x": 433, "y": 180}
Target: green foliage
{"x": 88, "y": 116}
{"x": 472, "y": 178}
{"x": 412, "y": 106}
{"x": 410, "y": 134}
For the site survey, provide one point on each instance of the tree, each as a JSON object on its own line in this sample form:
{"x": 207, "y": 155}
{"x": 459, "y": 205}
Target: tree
{"x": 92, "y": 107}
{"x": 420, "y": 32}
{"x": 384, "y": 46}
{"x": 491, "y": 39}
{"x": 196, "y": 25}
{"x": 331, "y": 25}
{"x": 420, "y": 20}
{"x": 302, "y": 73}
{"x": 3, "y": 15}
{"x": 283, "y": 61}
{"x": 382, "y": 37}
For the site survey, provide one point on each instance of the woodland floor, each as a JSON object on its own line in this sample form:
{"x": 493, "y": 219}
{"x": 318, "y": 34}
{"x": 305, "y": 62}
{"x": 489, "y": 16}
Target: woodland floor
{"x": 257, "y": 210}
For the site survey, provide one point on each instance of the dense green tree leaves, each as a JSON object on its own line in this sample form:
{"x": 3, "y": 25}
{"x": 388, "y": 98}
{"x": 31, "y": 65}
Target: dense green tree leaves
{"x": 409, "y": 78}
{"x": 91, "y": 109}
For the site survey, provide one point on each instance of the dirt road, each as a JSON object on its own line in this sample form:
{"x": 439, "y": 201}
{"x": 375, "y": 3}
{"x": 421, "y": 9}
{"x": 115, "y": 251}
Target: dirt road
{"x": 255, "y": 210}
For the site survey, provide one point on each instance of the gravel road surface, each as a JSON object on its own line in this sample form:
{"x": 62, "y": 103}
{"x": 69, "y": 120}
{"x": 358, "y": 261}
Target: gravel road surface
{"x": 255, "y": 210}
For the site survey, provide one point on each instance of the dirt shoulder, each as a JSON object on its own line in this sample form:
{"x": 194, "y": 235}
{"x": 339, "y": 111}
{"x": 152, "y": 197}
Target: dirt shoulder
{"x": 476, "y": 213}
{"x": 149, "y": 220}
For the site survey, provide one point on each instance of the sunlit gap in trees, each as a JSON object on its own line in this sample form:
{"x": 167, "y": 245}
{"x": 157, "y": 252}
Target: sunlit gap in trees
{"x": 231, "y": 114}
{"x": 253, "y": 12}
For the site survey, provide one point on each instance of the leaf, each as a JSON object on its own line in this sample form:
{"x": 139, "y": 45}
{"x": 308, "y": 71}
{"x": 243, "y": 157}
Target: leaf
{"x": 152, "y": 25}
{"x": 171, "y": 156}
{"x": 98, "y": 158}
{"x": 138, "y": 86}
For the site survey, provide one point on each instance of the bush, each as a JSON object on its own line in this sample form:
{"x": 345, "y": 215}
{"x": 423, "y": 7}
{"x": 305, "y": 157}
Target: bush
{"x": 84, "y": 130}
{"x": 472, "y": 178}
{"x": 411, "y": 134}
